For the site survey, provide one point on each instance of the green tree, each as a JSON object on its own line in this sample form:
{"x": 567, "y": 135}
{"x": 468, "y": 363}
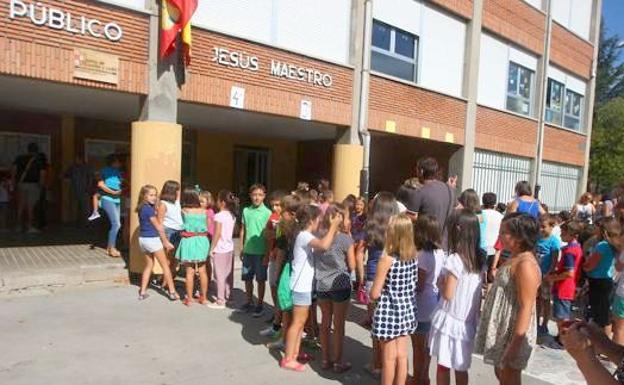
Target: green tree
{"x": 607, "y": 150}
{"x": 610, "y": 69}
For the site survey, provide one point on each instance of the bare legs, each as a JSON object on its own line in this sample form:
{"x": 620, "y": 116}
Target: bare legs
{"x": 394, "y": 354}
{"x": 149, "y": 265}
{"x": 294, "y": 334}
{"x": 421, "y": 358}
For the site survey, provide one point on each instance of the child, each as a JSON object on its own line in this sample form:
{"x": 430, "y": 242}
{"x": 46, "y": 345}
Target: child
{"x": 170, "y": 216}
{"x": 548, "y": 247}
{"x": 302, "y": 277}
{"x": 207, "y": 203}
{"x": 333, "y": 286}
{"x": 270, "y": 259}
{"x": 600, "y": 270}
{"x": 493, "y": 221}
{"x": 454, "y": 322}
{"x": 358, "y": 233}
{"x": 565, "y": 275}
{"x": 255, "y": 218}
{"x": 395, "y": 282}
{"x": 152, "y": 241}
{"x": 428, "y": 241}
{"x": 326, "y": 198}
{"x": 222, "y": 250}
{"x": 501, "y": 255}
{"x": 507, "y": 330}
{"x": 194, "y": 246}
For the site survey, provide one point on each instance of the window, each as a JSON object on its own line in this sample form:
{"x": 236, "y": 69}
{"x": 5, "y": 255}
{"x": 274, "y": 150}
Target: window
{"x": 519, "y": 87}
{"x": 573, "y": 102}
{"x": 554, "y": 102}
{"x": 394, "y": 52}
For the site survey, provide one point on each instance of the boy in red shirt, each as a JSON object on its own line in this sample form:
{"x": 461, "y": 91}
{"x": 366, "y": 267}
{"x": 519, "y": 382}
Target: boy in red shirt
{"x": 565, "y": 275}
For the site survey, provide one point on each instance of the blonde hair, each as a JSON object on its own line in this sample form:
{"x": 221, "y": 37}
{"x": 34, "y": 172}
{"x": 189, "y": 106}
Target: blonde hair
{"x": 144, "y": 190}
{"x": 400, "y": 237}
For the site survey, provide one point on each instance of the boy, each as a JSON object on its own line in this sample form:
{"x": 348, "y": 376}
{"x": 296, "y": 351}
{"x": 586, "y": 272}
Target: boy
{"x": 271, "y": 234}
{"x": 548, "y": 247}
{"x": 566, "y": 274}
{"x": 254, "y": 248}
{"x": 493, "y": 221}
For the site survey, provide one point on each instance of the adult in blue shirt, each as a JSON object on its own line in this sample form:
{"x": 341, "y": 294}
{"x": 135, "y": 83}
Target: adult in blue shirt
{"x": 109, "y": 185}
{"x": 524, "y": 202}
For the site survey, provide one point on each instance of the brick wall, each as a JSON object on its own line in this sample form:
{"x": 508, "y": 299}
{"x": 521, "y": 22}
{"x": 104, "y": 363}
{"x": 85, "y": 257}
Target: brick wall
{"x": 571, "y": 52}
{"x": 516, "y": 21}
{"x": 564, "y": 146}
{"x": 413, "y": 108}
{"x": 45, "y": 53}
{"x": 211, "y": 83}
{"x": 502, "y": 132}
{"x": 461, "y": 8}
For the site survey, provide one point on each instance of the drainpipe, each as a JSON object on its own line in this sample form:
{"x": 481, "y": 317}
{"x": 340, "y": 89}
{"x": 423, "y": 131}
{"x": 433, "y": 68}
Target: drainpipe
{"x": 362, "y": 114}
{"x": 541, "y": 108}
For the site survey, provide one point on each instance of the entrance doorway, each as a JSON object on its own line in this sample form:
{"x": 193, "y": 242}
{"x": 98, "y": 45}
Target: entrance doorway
{"x": 251, "y": 165}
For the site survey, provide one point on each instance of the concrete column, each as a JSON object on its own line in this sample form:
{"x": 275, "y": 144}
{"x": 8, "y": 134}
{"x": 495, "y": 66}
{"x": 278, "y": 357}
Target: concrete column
{"x": 471, "y": 84}
{"x": 348, "y": 159}
{"x": 156, "y": 156}
{"x": 68, "y": 146}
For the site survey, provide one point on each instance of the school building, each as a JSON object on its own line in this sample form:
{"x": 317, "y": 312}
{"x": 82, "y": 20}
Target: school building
{"x": 286, "y": 90}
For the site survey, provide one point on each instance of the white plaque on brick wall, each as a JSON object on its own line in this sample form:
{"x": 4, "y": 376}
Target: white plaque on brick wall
{"x": 306, "y": 110}
{"x": 237, "y": 97}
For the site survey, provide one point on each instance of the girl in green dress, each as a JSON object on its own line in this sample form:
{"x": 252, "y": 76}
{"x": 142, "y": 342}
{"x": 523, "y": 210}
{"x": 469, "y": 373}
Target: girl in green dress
{"x": 194, "y": 246}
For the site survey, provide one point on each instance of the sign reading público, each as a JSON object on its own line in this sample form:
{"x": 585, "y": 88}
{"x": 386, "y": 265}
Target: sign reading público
{"x": 56, "y": 18}
{"x": 235, "y": 59}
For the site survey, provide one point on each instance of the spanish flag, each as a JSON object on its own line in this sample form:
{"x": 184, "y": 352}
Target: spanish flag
{"x": 176, "y": 17}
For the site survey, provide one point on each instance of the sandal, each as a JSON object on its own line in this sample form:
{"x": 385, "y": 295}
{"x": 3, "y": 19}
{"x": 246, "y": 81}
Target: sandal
{"x": 292, "y": 365}
{"x": 143, "y": 296}
{"x": 114, "y": 253}
{"x": 326, "y": 364}
{"x": 187, "y": 302}
{"x": 202, "y": 300}
{"x": 341, "y": 367}
{"x": 173, "y": 296}
{"x": 305, "y": 357}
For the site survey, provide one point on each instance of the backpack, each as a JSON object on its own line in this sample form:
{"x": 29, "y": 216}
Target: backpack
{"x": 284, "y": 294}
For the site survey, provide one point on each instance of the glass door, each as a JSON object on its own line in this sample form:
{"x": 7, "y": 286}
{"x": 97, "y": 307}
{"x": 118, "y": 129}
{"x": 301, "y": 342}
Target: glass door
{"x": 251, "y": 165}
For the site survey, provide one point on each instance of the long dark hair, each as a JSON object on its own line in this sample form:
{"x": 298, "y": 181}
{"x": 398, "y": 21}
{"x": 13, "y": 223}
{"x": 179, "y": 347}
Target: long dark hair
{"x": 383, "y": 207}
{"x": 288, "y": 228}
{"x": 427, "y": 234}
{"x": 469, "y": 199}
{"x": 464, "y": 239}
{"x": 190, "y": 198}
{"x": 306, "y": 214}
{"x": 523, "y": 228}
{"x": 231, "y": 201}
{"x": 169, "y": 192}
{"x": 333, "y": 209}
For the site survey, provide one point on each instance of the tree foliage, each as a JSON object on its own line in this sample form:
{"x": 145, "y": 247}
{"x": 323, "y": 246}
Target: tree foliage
{"x": 607, "y": 150}
{"x": 610, "y": 69}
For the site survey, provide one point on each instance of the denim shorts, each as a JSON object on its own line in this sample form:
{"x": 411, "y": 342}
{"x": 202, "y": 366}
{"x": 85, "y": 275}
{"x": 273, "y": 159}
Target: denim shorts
{"x": 562, "y": 309}
{"x": 302, "y": 298}
{"x": 253, "y": 267}
{"x": 334, "y": 295}
{"x": 174, "y": 236}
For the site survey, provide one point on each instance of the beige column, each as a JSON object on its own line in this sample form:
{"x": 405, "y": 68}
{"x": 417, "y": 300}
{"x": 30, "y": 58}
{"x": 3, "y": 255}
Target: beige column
{"x": 156, "y": 156}
{"x": 68, "y": 146}
{"x": 348, "y": 159}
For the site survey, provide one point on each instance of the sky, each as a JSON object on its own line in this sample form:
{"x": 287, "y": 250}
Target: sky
{"x": 613, "y": 16}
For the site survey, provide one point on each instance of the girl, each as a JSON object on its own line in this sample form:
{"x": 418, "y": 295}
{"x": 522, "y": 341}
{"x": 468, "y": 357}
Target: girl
{"x": 395, "y": 282}
{"x": 599, "y": 268}
{"x": 222, "y": 250}
{"x": 358, "y": 232}
{"x": 454, "y": 321}
{"x": 207, "y": 203}
{"x": 170, "y": 216}
{"x": 428, "y": 241}
{"x": 302, "y": 276}
{"x": 508, "y": 329}
{"x": 384, "y": 206}
{"x": 194, "y": 246}
{"x": 326, "y": 198}
{"x": 152, "y": 241}
{"x": 333, "y": 286}
{"x": 469, "y": 199}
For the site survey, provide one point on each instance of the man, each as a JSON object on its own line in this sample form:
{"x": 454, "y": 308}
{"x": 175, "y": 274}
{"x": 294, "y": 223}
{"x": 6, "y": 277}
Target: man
{"x": 434, "y": 198}
{"x": 28, "y": 172}
{"x": 81, "y": 177}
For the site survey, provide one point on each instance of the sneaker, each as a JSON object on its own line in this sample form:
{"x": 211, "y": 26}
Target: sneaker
{"x": 258, "y": 311}
{"x": 246, "y": 308}
{"x": 95, "y": 215}
{"x": 216, "y": 305}
{"x": 269, "y": 332}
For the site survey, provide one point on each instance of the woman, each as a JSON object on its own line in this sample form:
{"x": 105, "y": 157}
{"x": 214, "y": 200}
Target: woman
{"x": 584, "y": 210}
{"x": 109, "y": 185}
{"x": 524, "y": 202}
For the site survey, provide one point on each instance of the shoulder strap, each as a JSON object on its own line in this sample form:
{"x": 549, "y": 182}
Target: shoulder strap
{"x": 26, "y": 169}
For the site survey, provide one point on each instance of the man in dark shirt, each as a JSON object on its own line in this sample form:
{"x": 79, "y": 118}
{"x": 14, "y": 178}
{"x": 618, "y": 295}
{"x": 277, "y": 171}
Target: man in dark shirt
{"x": 28, "y": 175}
{"x": 434, "y": 198}
{"x": 81, "y": 178}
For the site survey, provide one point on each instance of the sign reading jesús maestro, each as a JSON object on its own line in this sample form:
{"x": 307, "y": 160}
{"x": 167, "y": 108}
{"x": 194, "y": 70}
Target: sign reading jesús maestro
{"x": 226, "y": 57}
{"x": 56, "y": 18}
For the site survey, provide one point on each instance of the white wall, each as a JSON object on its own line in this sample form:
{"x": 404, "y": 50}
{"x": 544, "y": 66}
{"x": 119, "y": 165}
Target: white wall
{"x": 574, "y": 15}
{"x": 403, "y": 14}
{"x": 442, "y": 52}
{"x": 317, "y": 28}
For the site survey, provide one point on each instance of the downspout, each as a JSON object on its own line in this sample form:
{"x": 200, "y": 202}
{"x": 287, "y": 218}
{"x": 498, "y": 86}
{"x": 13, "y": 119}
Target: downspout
{"x": 363, "y": 101}
{"x": 541, "y": 108}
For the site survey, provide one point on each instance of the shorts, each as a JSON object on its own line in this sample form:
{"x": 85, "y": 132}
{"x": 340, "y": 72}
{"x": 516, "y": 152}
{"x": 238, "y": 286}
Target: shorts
{"x": 617, "y": 307}
{"x": 423, "y": 328}
{"x": 29, "y": 193}
{"x": 174, "y": 236}
{"x": 545, "y": 291}
{"x": 302, "y": 298}
{"x": 253, "y": 267}
{"x": 600, "y": 300}
{"x": 562, "y": 309}
{"x": 272, "y": 273}
{"x": 150, "y": 244}
{"x": 334, "y": 295}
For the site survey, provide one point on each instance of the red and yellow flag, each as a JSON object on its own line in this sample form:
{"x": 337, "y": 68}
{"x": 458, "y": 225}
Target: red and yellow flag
{"x": 176, "y": 17}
